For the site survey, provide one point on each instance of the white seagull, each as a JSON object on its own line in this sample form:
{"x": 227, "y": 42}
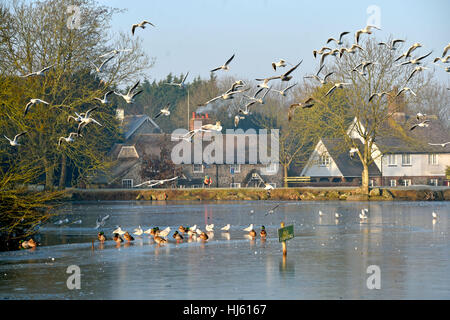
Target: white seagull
{"x": 321, "y": 51}
{"x": 363, "y": 215}
{"x": 422, "y": 124}
{"x": 338, "y": 42}
{"x": 33, "y": 102}
{"x": 281, "y": 63}
{"x": 409, "y": 51}
{"x": 105, "y": 98}
{"x": 367, "y": 30}
{"x": 225, "y": 66}
{"x": 447, "y": 47}
{"x": 249, "y": 228}
{"x": 308, "y": 103}
{"x": 114, "y": 52}
{"x": 138, "y": 231}
{"x": 101, "y": 221}
{"x": 180, "y": 84}
{"x": 14, "y": 141}
{"x": 283, "y": 92}
{"x": 392, "y": 44}
{"x": 405, "y": 89}
{"x": 416, "y": 69}
{"x": 351, "y": 50}
{"x": 86, "y": 119}
{"x": 443, "y": 60}
{"x": 439, "y": 144}
{"x": 99, "y": 68}
{"x": 209, "y": 227}
{"x": 164, "y": 111}
{"x": 320, "y": 213}
{"x": 338, "y": 85}
{"x": 119, "y": 231}
{"x": 69, "y": 139}
{"x": 140, "y": 25}
{"x": 434, "y": 214}
{"x": 129, "y": 97}
{"x": 337, "y": 215}
{"x": 38, "y": 73}
{"x": 415, "y": 61}
{"x": 379, "y": 94}
{"x": 164, "y": 233}
{"x": 226, "y": 228}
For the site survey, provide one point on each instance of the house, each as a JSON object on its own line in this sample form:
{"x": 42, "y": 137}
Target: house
{"x": 399, "y": 159}
{"x": 143, "y": 137}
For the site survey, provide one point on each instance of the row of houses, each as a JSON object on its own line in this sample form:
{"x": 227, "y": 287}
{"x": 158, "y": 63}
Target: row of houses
{"x": 398, "y": 161}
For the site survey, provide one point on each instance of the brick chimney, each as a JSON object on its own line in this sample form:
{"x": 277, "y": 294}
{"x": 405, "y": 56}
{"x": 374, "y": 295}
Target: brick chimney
{"x": 199, "y": 118}
{"x": 397, "y": 106}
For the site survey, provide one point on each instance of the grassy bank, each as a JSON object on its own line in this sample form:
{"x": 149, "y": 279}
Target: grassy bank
{"x": 298, "y": 194}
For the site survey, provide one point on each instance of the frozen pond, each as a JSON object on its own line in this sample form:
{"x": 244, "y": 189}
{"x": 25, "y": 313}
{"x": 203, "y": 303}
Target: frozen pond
{"x": 327, "y": 259}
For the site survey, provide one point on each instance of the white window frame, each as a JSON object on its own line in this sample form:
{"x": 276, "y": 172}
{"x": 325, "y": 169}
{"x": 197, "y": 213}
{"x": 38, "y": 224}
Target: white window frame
{"x": 408, "y": 157}
{"x": 130, "y": 181}
{"x": 237, "y": 167}
{"x": 434, "y": 182}
{"x": 407, "y": 182}
{"x": 271, "y": 168}
{"x": 235, "y": 185}
{"x": 393, "y": 183}
{"x": 197, "y": 171}
{"x": 433, "y": 159}
{"x": 324, "y": 160}
{"x": 392, "y": 160}
{"x": 371, "y": 183}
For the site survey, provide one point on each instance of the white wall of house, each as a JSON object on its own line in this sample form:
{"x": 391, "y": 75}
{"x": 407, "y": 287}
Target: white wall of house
{"x": 420, "y": 166}
{"x": 314, "y": 169}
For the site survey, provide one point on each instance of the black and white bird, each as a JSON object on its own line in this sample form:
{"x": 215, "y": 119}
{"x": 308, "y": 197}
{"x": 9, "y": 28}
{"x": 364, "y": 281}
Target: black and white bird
{"x": 286, "y": 76}
{"x": 69, "y": 139}
{"x": 164, "y": 111}
{"x": 321, "y": 51}
{"x": 105, "y": 98}
{"x": 237, "y": 118}
{"x": 363, "y": 65}
{"x": 224, "y": 96}
{"x": 421, "y": 116}
{"x": 338, "y": 85}
{"x": 99, "y": 68}
{"x": 392, "y": 45}
{"x": 416, "y": 69}
{"x": 279, "y": 64}
{"x": 409, "y": 51}
{"x": 308, "y": 103}
{"x": 351, "y": 50}
{"x": 422, "y": 124}
{"x": 334, "y": 53}
{"x": 225, "y": 66}
{"x": 439, "y": 144}
{"x": 316, "y": 76}
{"x": 181, "y": 84}
{"x": 129, "y": 97}
{"x": 33, "y": 102}
{"x": 379, "y": 94}
{"x": 283, "y": 92}
{"x": 404, "y": 89}
{"x": 367, "y": 30}
{"x": 446, "y": 49}
{"x": 114, "y": 52}
{"x": 256, "y": 99}
{"x": 272, "y": 210}
{"x": 140, "y": 25}
{"x": 101, "y": 221}
{"x": 415, "y": 61}
{"x": 338, "y": 42}
{"x": 443, "y": 60}
{"x": 86, "y": 119}
{"x": 38, "y": 73}
{"x": 237, "y": 84}
{"x": 14, "y": 142}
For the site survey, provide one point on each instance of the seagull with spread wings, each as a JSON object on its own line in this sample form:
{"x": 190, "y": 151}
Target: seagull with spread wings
{"x": 379, "y": 94}
{"x": 409, "y": 51}
{"x": 237, "y": 84}
{"x": 86, "y": 119}
{"x": 439, "y": 144}
{"x": 33, "y": 102}
{"x": 14, "y": 142}
{"x": 415, "y": 61}
{"x": 225, "y": 66}
{"x": 140, "y": 25}
{"x": 129, "y": 97}
{"x": 283, "y": 92}
{"x": 224, "y": 96}
{"x": 69, "y": 139}
{"x": 38, "y": 73}
{"x": 338, "y": 85}
{"x": 392, "y": 45}
{"x": 114, "y": 52}
{"x": 424, "y": 123}
{"x": 404, "y": 89}
{"x": 308, "y": 103}
{"x": 281, "y": 63}
{"x": 180, "y": 84}
{"x": 286, "y": 76}
{"x": 367, "y": 30}
{"x": 416, "y": 69}
{"x": 258, "y": 100}
{"x": 99, "y": 68}
{"x": 338, "y": 42}
{"x": 351, "y": 50}
{"x": 105, "y": 98}
{"x": 316, "y": 76}
{"x": 321, "y": 51}
{"x": 164, "y": 111}
{"x": 363, "y": 65}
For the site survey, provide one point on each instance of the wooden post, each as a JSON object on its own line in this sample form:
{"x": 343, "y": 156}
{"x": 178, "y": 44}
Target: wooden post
{"x": 283, "y": 243}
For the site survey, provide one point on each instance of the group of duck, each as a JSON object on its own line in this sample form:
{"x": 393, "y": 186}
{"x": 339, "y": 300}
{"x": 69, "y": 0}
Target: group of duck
{"x": 190, "y": 232}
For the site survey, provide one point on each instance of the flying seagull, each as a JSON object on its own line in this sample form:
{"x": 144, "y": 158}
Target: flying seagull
{"x": 422, "y": 124}
{"x": 351, "y": 50}
{"x": 164, "y": 111}
{"x": 420, "y": 116}
{"x": 405, "y": 89}
{"x": 38, "y": 73}
{"x": 105, "y": 98}
{"x": 338, "y": 85}
{"x": 447, "y": 47}
{"x": 321, "y": 51}
{"x": 69, "y": 139}
{"x": 443, "y": 60}
{"x": 258, "y": 100}
{"x": 14, "y": 142}
{"x": 283, "y": 92}
{"x": 306, "y": 104}
{"x": 101, "y": 221}
{"x": 338, "y": 42}
{"x": 99, "y": 68}
{"x": 416, "y": 69}
{"x": 86, "y": 119}
{"x": 129, "y": 97}
{"x": 415, "y": 61}
{"x": 180, "y": 84}
{"x": 281, "y": 63}
{"x": 114, "y": 52}
{"x": 31, "y": 103}
{"x": 316, "y": 76}
{"x": 237, "y": 118}
{"x": 367, "y": 30}
{"x": 379, "y": 94}
{"x": 224, "y": 96}
{"x": 272, "y": 210}
{"x": 286, "y": 76}
{"x": 409, "y": 51}
{"x": 334, "y": 53}
{"x": 140, "y": 25}
{"x": 363, "y": 66}
{"x": 392, "y": 44}
{"x": 237, "y": 84}
{"x": 225, "y": 66}
{"x": 439, "y": 144}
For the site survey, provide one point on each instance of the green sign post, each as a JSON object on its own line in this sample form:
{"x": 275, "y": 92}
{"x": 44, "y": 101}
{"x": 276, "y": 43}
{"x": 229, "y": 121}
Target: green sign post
{"x": 286, "y": 233}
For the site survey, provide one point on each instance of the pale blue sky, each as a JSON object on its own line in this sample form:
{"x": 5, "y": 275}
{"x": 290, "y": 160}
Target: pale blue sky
{"x": 199, "y": 35}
